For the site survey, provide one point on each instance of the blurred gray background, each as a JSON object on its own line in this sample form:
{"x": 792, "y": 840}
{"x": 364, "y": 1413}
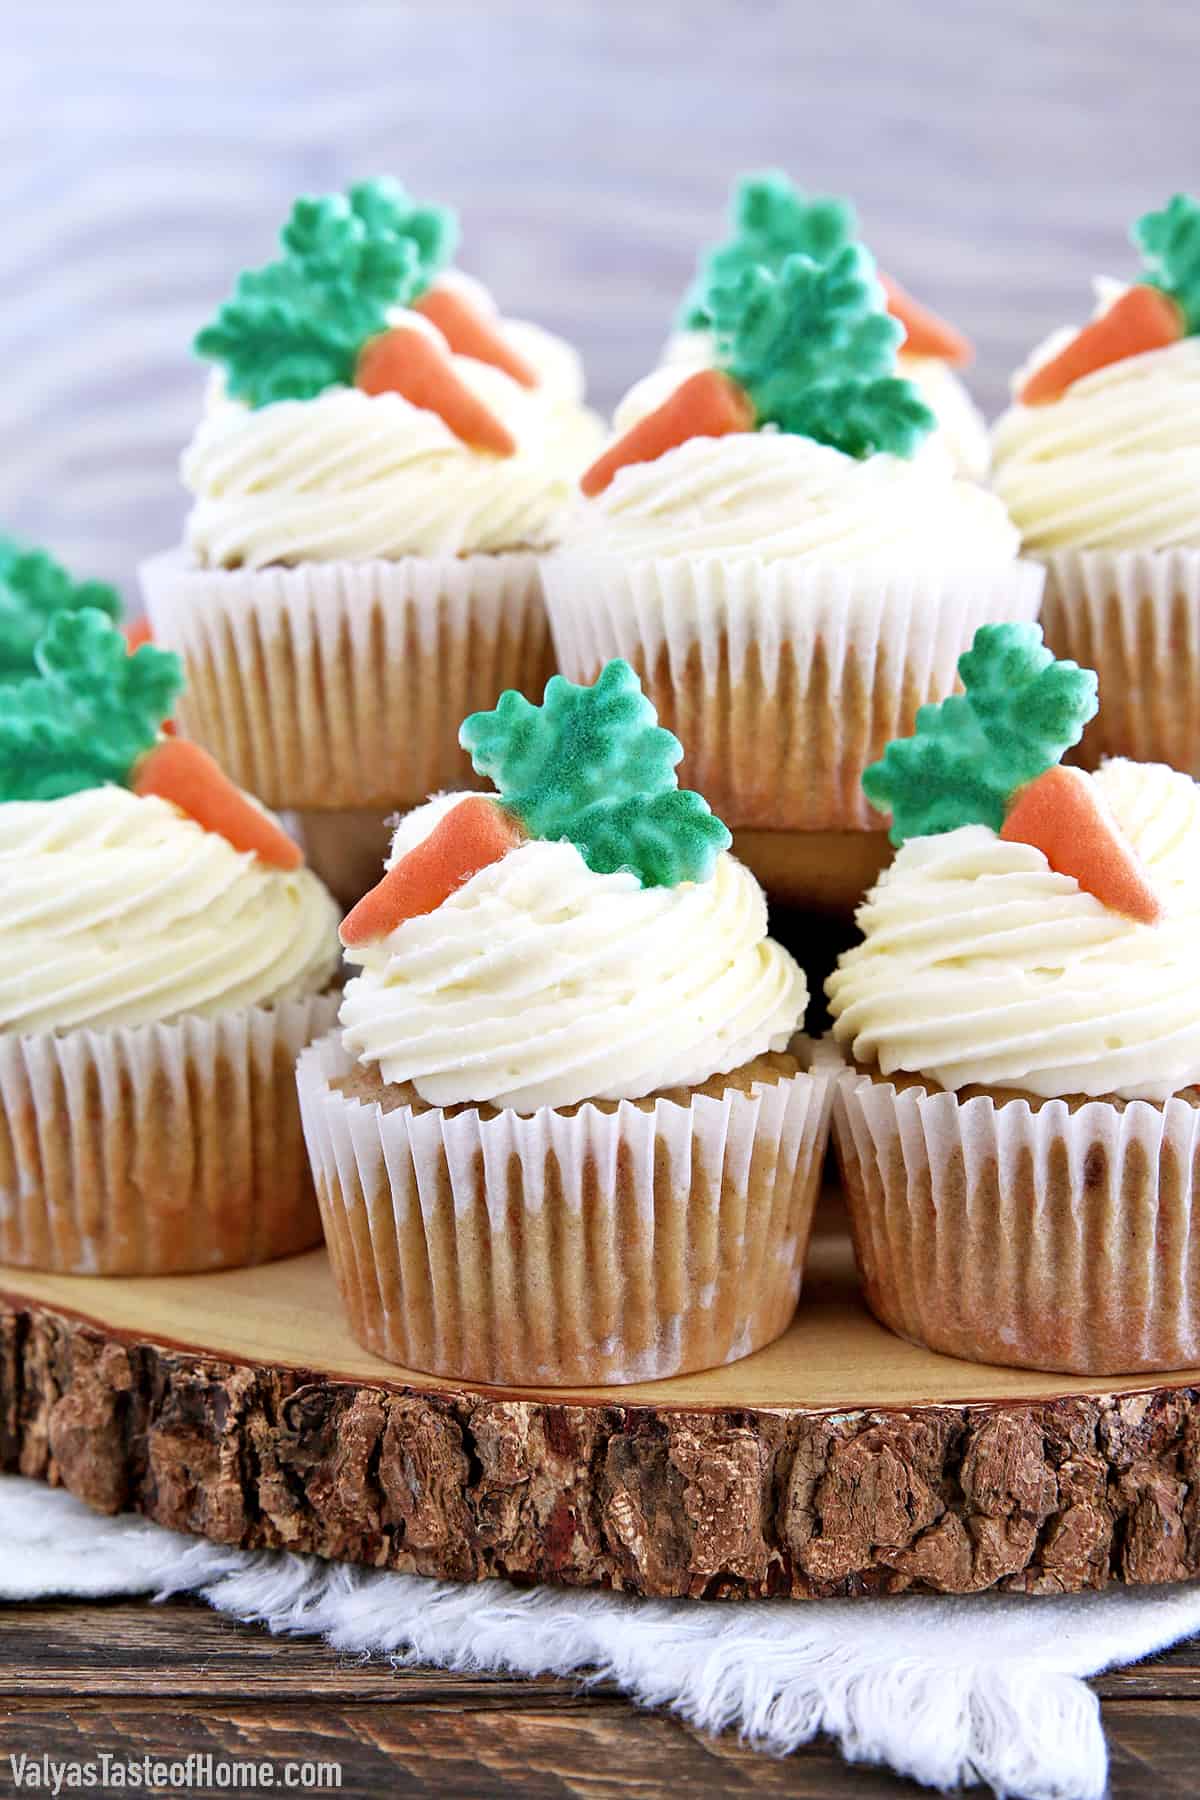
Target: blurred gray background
{"x": 150, "y": 148}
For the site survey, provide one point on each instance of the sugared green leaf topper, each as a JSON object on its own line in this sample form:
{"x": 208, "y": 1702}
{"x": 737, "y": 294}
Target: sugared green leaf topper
{"x": 770, "y": 219}
{"x": 89, "y": 712}
{"x": 1170, "y": 245}
{"x": 593, "y": 765}
{"x": 1020, "y": 713}
{"x": 295, "y": 327}
{"x": 34, "y": 588}
{"x": 814, "y": 347}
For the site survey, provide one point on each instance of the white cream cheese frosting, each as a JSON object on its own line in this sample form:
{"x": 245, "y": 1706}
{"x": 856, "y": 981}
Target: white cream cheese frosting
{"x": 1114, "y": 463}
{"x": 961, "y": 428}
{"x": 540, "y": 983}
{"x": 980, "y": 965}
{"x": 771, "y": 495}
{"x": 961, "y": 433}
{"x": 349, "y": 475}
{"x": 575, "y": 432}
{"x": 119, "y": 910}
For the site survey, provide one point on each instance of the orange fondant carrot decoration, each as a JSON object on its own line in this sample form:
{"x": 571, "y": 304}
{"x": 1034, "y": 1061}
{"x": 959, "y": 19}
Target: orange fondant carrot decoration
{"x": 1062, "y": 814}
{"x": 137, "y": 632}
{"x": 473, "y": 834}
{"x": 708, "y": 404}
{"x": 405, "y": 361}
{"x": 926, "y": 333}
{"x": 471, "y": 333}
{"x": 183, "y": 773}
{"x": 1142, "y": 319}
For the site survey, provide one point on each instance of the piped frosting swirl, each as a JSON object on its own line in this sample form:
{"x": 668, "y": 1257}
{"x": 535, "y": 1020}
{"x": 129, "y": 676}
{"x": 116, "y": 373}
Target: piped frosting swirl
{"x": 541, "y": 983}
{"x": 118, "y": 910}
{"x": 980, "y": 965}
{"x": 1114, "y": 463}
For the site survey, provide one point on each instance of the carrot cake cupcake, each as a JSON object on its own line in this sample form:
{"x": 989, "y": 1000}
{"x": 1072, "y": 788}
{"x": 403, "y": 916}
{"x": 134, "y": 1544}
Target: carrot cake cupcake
{"x": 566, "y": 1132}
{"x": 381, "y": 462}
{"x": 789, "y": 577}
{"x": 1019, "y": 1136}
{"x": 770, "y": 219}
{"x": 1098, "y": 461}
{"x": 163, "y": 959}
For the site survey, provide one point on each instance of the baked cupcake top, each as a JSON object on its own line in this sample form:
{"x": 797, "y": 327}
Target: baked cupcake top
{"x": 771, "y": 219}
{"x": 1037, "y": 928}
{"x": 797, "y": 441}
{"x": 372, "y": 403}
{"x": 1101, "y": 449}
{"x": 137, "y": 883}
{"x": 583, "y": 935}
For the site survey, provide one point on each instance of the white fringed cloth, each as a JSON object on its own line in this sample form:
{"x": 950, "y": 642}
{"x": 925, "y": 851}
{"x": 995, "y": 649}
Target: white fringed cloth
{"x": 949, "y": 1691}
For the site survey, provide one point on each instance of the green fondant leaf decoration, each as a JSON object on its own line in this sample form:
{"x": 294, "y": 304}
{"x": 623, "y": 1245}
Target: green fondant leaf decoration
{"x": 296, "y": 326}
{"x": 814, "y": 347}
{"x": 861, "y": 417}
{"x": 34, "y": 588}
{"x": 1020, "y": 712}
{"x": 770, "y": 220}
{"x": 388, "y": 210}
{"x": 664, "y": 838}
{"x": 1170, "y": 244}
{"x": 273, "y": 352}
{"x": 91, "y": 710}
{"x": 593, "y": 765}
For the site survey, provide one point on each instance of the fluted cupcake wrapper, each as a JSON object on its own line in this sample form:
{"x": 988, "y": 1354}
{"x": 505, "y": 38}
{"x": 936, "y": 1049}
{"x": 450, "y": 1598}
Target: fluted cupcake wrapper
{"x": 157, "y": 1149}
{"x": 343, "y": 684}
{"x": 593, "y": 1247}
{"x": 1134, "y": 617}
{"x": 782, "y": 680}
{"x": 1040, "y": 1236}
{"x": 347, "y": 849}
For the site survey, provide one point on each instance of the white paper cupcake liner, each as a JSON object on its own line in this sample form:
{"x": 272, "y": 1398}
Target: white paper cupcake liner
{"x": 1039, "y": 1236}
{"x": 599, "y": 1246}
{"x": 818, "y": 871}
{"x": 342, "y": 685}
{"x": 1134, "y": 617}
{"x": 783, "y": 681}
{"x": 157, "y": 1149}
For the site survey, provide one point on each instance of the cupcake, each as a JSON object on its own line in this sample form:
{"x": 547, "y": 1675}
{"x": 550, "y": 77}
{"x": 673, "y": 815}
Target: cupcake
{"x": 1019, "y": 1134}
{"x": 790, "y": 578}
{"x": 164, "y": 959}
{"x": 566, "y": 1132}
{"x": 381, "y": 463}
{"x": 1098, "y": 461}
{"x": 770, "y": 220}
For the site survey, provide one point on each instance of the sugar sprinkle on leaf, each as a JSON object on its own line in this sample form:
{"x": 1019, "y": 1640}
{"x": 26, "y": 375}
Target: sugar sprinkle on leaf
{"x": 1021, "y": 711}
{"x": 1169, "y": 241}
{"x": 295, "y": 327}
{"x": 34, "y": 588}
{"x": 770, "y": 220}
{"x": 593, "y": 765}
{"x": 815, "y": 349}
{"x": 91, "y": 710}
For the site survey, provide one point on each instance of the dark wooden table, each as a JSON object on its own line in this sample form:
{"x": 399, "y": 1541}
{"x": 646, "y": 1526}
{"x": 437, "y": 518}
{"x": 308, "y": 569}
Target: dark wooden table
{"x": 134, "y": 1679}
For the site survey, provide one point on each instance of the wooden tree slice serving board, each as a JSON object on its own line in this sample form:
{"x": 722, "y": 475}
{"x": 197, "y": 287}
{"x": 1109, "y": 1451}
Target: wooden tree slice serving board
{"x": 838, "y": 1461}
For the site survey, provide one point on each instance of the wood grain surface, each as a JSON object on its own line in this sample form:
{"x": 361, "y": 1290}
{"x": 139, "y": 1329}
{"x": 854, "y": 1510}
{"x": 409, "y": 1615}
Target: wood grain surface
{"x": 838, "y": 1462}
{"x": 834, "y": 1356}
{"x": 997, "y": 155}
{"x": 135, "y": 1679}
